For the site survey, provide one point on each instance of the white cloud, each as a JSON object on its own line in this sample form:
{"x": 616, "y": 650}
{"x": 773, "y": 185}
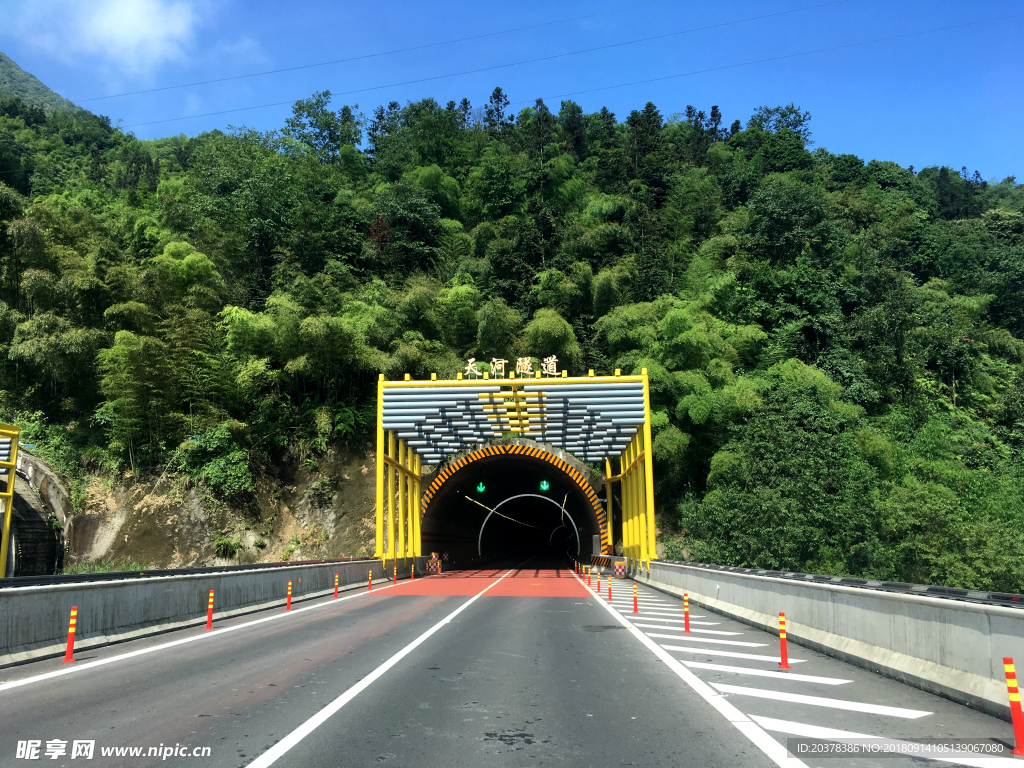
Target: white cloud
{"x": 133, "y": 37}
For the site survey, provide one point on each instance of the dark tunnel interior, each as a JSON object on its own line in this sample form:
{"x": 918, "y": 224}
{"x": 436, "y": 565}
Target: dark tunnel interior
{"x": 538, "y": 509}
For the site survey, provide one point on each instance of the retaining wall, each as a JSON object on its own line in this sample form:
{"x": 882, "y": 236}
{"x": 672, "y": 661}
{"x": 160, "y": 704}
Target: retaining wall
{"x": 949, "y": 647}
{"x": 34, "y": 619}
{"x": 50, "y": 487}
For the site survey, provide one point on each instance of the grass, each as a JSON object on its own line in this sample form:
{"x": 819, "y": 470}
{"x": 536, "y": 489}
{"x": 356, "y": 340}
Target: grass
{"x": 103, "y": 566}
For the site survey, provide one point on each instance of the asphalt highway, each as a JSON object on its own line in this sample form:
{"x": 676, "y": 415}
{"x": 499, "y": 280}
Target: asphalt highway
{"x": 505, "y": 666}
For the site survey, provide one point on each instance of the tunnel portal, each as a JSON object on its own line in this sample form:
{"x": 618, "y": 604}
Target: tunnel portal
{"x": 509, "y": 498}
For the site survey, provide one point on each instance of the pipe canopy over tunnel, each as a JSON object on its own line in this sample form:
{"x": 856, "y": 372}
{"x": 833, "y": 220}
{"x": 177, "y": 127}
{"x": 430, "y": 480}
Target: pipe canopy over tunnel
{"x": 512, "y": 498}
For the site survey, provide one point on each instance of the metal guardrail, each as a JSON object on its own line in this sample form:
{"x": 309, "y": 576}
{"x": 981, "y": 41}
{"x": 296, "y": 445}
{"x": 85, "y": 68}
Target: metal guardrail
{"x": 1006, "y": 599}
{"x": 35, "y": 581}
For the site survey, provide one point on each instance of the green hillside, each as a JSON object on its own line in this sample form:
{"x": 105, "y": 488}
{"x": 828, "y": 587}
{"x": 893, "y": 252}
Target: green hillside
{"x": 14, "y": 81}
{"x": 837, "y": 371}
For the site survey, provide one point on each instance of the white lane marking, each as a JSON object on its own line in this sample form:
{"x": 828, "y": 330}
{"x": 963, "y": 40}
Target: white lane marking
{"x": 733, "y": 654}
{"x": 706, "y": 631}
{"x": 278, "y": 750}
{"x": 757, "y": 735}
{"x": 683, "y": 621}
{"x": 697, "y": 639}
{"x": 832, "y": 734}
{"x": 820, "y": 701}
{"x": 665, "y": 611}
{"x": 82, "y": 666}
{"x": 766, "y": 673}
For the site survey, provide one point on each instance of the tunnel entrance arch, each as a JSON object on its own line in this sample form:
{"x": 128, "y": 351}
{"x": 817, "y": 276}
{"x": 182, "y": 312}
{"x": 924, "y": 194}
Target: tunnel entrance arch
{"x": 515, "y": 431}
{"x": 530, "y": 485}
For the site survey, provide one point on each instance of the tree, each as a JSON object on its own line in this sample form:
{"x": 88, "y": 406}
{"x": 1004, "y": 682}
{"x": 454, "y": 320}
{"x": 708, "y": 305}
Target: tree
{"x": 320, "y": 129}
{"x": 789, "y": 117}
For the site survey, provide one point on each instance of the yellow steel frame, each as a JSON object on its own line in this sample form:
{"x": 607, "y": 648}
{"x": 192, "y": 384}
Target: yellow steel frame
{"x": 399, "y": 473}
{"x": 399, "y": 491}
{"x": 7, "y": 496}
{"x": 636, "y": 489}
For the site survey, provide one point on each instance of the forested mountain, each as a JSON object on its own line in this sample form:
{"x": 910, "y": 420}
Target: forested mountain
{"x": 16, "y": 82}
{"x": 834, "y": 344}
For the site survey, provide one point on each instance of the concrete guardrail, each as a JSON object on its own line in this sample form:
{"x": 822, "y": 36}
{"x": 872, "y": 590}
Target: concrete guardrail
{"x": 948, "y": 647}
{"x": 34, "y": 619}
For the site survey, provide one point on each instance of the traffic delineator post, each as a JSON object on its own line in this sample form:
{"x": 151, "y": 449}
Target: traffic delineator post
{"x": 369, "y": 584}
{"x": 69, "y": 654}
{"x": 396, "y": 572}
{"x": 784, "y": 656}
{"x": 609, "y": 590}
{"x": 288, "y": 606}
{"x": 588, "y": 575}
{"x": 209, "y": 612}
{"x": 335, "y": 586}
{"x": 412, "y": 571}
{"x": 1015, "y": 712}
{"x": 635, "y": 607}
{"x": 599, "y": 582}
{"x": 686, "y": 612}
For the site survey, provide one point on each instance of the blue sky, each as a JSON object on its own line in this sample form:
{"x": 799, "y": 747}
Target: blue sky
{"x": 948, "y": 97}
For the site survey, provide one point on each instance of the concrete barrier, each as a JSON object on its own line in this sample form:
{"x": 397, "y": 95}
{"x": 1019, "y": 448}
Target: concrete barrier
{"x": 949, "y": 647}
{"x": 34, "y": 619}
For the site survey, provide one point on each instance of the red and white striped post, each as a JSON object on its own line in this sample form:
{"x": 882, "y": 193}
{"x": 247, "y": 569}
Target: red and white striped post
{"x": 635, "y": 607}
{"x": 288, "y": 607}
{"x": 69, "y": 654}
{"x": 1015, "y": 714}
{"x": 369, "y": 585}
{"x": 784, "y": 655}
{"x": 335, "y": 586}
{"x": 599, "y": 582}
{"x": 209, "y": 612}
{"x": 588, "y": 575}
{"x": 686, "y": 612}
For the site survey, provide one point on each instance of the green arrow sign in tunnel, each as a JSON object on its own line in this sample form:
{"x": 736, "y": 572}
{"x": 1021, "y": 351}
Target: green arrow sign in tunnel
{"x": 509, "y": 498}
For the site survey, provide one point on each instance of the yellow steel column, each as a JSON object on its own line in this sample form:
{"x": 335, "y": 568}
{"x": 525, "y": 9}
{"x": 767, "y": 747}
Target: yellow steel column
{"x": 641, "y": 507}
{"x": 379, "y": 538}
{"x": 634, "y": 549}
{"x": 11, "y": 432}
{"x": 652, "y": 545}
{"x": 417, "y": 492}
{"x": 623, "y": 498}
{"x": 391, "y": 496}
{"x": 609, "y": 488}
{"x": 627, "y": 504}
{"x": 403, "y": 480}
{"x": 635, "y": 479}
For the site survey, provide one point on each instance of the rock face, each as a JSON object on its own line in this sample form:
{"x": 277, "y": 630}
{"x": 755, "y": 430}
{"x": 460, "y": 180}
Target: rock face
{"x": 164, "y": 522}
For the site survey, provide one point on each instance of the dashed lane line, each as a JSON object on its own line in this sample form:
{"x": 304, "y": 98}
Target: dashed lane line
{"x": 821, "y": 701}
{"x": 697, "y": 639}
{"x": 731, "y": 654}
{"x": 766, "y": 673}
{"x": 833, "y": 734}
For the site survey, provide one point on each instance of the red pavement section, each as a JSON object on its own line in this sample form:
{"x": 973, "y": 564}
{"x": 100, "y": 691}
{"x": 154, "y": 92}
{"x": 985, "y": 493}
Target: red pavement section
{"x": 525, "y": 582}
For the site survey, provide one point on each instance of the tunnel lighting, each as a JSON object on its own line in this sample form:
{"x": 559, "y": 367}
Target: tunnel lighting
{"x": 480, "y": 487}
{"x": 544, "y": 485}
